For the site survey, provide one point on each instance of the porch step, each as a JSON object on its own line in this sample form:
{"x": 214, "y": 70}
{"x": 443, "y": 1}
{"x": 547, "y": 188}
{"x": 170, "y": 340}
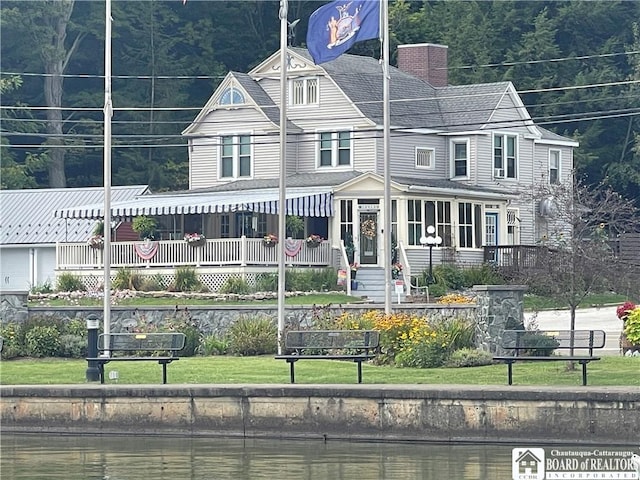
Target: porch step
{"x": 371, "y": 285}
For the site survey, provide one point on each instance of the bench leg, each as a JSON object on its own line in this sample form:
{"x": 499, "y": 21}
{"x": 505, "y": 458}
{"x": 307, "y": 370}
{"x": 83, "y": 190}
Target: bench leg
{"x": 164, "y": 373}
{"x": 293, "y": 377}
{"x": 510, "y": 372}
{"x": 359, "y": 371}
{"x": 101, "y": 370}
{"x": 584, "y": 372}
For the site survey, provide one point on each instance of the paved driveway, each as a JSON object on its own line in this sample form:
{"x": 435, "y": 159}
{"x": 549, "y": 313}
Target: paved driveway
{"x": 603, "y": 318}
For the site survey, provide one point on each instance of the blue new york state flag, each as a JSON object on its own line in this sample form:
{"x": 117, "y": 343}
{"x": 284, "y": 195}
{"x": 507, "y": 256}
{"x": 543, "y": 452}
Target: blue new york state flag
{"x": 336, "y": 26}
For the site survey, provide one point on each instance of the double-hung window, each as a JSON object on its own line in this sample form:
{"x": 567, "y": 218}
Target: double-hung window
{"x": 438, "y": 214}
{"x": 505, "y": 158}
{"x": 304, "y": 91}
{"x": 334, "y": 149}
{"x": 460, "y": 160}
{"x": 469, "y": 225}
{"x": 414, "y": 221}
{"x": 235, "y": 156}
{"x": 554, "y": 167}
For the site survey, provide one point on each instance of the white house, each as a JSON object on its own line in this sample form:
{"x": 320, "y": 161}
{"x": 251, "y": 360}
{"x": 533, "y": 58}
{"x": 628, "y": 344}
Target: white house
{"x": 463, "y": 159}
{"x": 29, "y": 231}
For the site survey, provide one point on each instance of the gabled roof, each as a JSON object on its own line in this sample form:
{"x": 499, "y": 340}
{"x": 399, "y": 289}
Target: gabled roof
{"x": 26, "y": 216}
{"x": 262, "y": 102}
{"x": 415, "y": 104}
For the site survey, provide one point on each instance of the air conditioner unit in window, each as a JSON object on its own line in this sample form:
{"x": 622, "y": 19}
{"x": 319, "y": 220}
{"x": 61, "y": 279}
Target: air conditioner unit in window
{"x": 498, "y": 172}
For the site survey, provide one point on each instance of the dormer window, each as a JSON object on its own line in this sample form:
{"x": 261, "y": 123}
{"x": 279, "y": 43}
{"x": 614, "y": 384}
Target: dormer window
{"x": 304, "y": 91}
{"x": 232, "y": 96}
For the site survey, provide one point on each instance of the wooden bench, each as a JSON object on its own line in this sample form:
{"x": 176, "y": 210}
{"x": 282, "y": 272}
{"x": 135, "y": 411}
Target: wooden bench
{"x": 353, "y": 345}
{"x": 522, "y": 342}
{"x": 138, "y": 347}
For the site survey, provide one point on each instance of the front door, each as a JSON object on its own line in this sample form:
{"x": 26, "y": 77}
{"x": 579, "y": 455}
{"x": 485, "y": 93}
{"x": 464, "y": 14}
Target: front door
{"x": 491, "y": 234}
{"x": 369, "y": 238}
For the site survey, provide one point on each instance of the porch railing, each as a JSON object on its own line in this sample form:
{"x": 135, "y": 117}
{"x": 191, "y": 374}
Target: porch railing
{"x": 171, "y": 253}
{"x": 516, "y": 257}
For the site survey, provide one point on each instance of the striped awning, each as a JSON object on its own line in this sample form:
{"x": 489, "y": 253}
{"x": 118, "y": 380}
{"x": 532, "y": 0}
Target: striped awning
{"x": 307, "y": 202}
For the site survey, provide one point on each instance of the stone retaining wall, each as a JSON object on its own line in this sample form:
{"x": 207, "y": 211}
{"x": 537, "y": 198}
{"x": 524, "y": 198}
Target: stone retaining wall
{"x": 515, "y": 415}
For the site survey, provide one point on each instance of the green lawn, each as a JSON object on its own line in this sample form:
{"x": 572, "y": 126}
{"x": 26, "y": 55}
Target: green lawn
{"x": 610, "y": 371}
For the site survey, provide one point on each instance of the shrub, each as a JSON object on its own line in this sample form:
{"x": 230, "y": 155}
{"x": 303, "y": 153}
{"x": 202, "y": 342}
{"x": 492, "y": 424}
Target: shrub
{"x": 213, "y": 345}
{"x": 44, "y": 288}
{"x": 11, "y": 346}
{"x": 253, "y": 336}
{"x": 235, "y": 285}
{"x": 73, "y": 346}
{"x": 127, "y": 280}
{"x": 457, "y": 332}
{"x": 42, "y": 341}
{"x": 482, "y": 275}
{"x": 469, "y": 357}
{"x": 267, "y": 282}
{"x": 186, "y": 280}
{"x": 449, "y": 275}
{"x": 632, "y": 326}
{"x": 153, "y": 283}
{"x": 423, "y": 353}
{"x": 68, "y": 282}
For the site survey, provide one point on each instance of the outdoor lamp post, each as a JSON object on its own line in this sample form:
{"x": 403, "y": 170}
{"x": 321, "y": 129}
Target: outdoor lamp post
{"x": 93, "y": 372}
{"x": 431, "y": 241}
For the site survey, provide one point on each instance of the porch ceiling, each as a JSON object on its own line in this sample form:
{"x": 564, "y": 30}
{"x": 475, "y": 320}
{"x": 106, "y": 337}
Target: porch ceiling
{"x": 308, "y": 202}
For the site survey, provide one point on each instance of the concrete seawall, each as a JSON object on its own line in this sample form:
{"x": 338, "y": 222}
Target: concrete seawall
{"x": 592, "y": 415}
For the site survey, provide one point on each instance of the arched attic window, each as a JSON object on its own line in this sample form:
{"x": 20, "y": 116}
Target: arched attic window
{"x": 232, "y": 96}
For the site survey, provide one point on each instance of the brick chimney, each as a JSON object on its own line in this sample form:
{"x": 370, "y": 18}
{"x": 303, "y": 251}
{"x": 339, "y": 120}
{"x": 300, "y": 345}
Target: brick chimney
{"x": 427, "y": 61}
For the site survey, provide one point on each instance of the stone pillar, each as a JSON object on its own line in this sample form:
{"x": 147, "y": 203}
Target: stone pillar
{"x": 500, "y": 308}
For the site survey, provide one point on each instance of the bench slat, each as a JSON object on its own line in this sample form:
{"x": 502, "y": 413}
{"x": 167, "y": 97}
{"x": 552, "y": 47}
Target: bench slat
{"x": 331, "y": 339}
{"x": 129, "y": 342}
{"x": 563, "y": 339}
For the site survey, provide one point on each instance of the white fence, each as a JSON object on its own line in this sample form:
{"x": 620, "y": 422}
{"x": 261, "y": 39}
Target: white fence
{"x": 172, "y": 253}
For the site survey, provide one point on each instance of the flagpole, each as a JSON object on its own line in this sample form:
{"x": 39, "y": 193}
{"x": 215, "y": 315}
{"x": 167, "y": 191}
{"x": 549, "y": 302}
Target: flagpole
{"x": 282, "y": 213}
{"x": 384, "y": 19}
{"x": 106, "y": 218}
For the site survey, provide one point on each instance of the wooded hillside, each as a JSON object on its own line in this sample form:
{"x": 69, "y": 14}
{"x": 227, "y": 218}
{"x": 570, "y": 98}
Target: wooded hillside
{"x": 576, "y": 64}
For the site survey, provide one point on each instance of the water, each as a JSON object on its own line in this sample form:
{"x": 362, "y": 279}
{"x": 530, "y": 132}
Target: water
{"x": 25, "y": 457}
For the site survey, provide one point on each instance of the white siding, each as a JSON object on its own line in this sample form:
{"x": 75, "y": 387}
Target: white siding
{"x": 205, "y": 151}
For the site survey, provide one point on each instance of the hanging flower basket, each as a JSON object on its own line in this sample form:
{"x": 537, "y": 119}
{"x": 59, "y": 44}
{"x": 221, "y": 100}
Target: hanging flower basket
{"x": 313, "y": 241}
{"x": 195, "y": 239}
{"x": 368, "y": 228}
{"x": 396, "y": 270}
{"x": 96, "y": 241}
{"x": 270, "y": 240}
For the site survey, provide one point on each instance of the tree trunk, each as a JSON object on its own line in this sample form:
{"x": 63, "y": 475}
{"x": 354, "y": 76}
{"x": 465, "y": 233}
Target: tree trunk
{"x": 54, "y": 57}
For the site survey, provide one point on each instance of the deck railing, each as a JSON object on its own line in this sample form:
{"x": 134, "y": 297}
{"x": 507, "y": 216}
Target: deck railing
{"x": 171, "y": 253}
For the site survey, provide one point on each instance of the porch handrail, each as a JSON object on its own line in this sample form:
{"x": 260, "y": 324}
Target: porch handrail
{"x": 406, "y": 266}
{"x": 345, "y": 259}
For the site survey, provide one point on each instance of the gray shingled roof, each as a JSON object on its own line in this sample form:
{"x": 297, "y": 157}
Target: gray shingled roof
{"x": 312, "y": 179}
{"x": 26, "y": 216}
{"x": 447, "y": 184}
{"x": 414, "y": 102}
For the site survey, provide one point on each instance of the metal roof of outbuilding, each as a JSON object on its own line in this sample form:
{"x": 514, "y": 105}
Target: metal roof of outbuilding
{"x": 26, "y": 216}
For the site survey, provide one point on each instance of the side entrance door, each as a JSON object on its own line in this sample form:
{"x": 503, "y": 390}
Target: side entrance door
{"x": 491, "y": 234}
{"x": 369, "y": 238}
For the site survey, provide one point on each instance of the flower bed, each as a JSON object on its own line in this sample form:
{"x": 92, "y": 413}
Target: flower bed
{"x": 629, "y": 313}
